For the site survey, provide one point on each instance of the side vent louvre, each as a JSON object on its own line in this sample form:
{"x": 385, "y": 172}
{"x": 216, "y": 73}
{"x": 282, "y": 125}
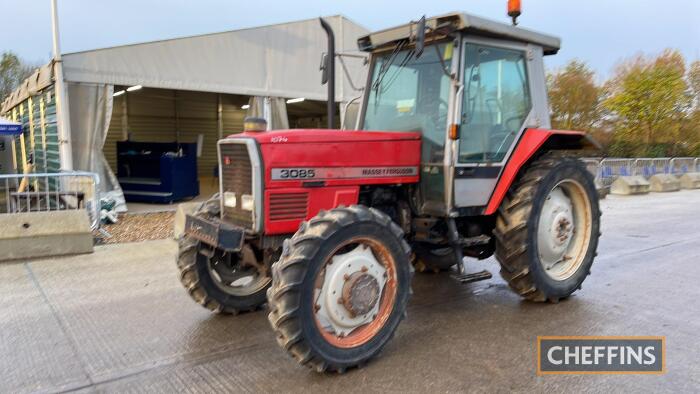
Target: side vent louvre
{"x": 288, "y": 206}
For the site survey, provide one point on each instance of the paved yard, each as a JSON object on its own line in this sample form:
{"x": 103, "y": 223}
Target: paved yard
{"x": 118, "y": 320}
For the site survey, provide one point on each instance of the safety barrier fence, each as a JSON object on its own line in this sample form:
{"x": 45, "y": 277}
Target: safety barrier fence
{"x": 608, "y": 169}
{"x": 51, "y": 192}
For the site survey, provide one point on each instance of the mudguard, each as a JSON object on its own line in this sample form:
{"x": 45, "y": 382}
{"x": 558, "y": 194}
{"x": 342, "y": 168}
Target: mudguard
{"x": 532, "y": 142}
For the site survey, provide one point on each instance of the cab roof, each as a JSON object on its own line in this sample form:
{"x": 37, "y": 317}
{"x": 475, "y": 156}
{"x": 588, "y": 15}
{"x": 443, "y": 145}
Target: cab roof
{"x": 457, "y": 21}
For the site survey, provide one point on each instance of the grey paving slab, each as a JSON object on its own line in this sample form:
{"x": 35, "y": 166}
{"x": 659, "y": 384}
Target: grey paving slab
{"x": 36, "y": 352}
{"x": 118, "y": 321}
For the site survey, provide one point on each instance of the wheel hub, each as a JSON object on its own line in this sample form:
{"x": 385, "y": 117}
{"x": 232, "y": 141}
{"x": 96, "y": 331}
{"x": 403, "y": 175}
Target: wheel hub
{"x": 360, "y": 293}
{"x": 352, "y": 286}
{"x": 556, "y": 228}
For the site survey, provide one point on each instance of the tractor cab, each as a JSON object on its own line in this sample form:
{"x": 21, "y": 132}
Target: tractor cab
{"x": 470, "y": 86}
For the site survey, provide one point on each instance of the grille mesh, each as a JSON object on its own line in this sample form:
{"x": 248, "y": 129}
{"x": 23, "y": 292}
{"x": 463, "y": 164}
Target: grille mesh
{"x": 237, "y": 177}
{"x": 288, "y": 206}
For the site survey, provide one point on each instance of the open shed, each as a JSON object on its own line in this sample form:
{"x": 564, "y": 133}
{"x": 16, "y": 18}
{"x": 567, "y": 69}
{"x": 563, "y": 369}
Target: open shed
{"x": 184, "y": 90}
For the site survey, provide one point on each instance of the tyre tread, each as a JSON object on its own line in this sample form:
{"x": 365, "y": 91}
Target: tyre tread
{"x": 512, "y": 226}
{"x": 286, "y": 283}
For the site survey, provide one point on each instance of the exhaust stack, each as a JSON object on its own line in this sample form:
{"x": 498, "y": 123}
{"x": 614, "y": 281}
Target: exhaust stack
{"x": 329, "y": 72}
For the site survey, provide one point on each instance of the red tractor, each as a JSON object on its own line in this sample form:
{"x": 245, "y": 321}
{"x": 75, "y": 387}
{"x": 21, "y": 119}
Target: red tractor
{"x": 452, "y": 157}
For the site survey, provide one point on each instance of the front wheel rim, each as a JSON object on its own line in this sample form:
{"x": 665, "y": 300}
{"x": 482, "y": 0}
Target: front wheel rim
{"x": 370, "y": 321}
{"x": 564, "y": 230}
{"x": 242, "y": 279}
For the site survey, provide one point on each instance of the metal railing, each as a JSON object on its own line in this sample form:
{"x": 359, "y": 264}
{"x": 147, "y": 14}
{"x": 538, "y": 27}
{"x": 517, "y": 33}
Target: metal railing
{"x": 648, "y": 167}
{"x": 608, "y": 169}
{"x": 611, "y": 168}
{"x": 683, "y": 165}
{"x": 593, "y": 166}
{"x": 51, "y": 192}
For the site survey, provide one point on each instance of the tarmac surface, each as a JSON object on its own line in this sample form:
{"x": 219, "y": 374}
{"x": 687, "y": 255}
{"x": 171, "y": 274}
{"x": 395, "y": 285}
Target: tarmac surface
{"x": 119, "y": 321}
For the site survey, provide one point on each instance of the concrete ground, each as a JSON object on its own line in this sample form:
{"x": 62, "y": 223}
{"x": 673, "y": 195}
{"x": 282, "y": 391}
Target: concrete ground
{"x": 119, "y": 321}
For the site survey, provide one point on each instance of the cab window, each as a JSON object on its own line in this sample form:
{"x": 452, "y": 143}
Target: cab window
{"x": 496, "y": 102}
{"x": 411, "y": 94}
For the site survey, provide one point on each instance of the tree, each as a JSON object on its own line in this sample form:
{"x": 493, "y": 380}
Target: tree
{"x": 693, "y": 124}
{"x": 12, "y": 72}
{"x": 649, "y": 100}
{"x": 694, "y": 82}
{"x": 574, "y": 97}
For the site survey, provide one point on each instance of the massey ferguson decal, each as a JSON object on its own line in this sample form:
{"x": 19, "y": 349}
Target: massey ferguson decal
{"x": 283, "y": 174}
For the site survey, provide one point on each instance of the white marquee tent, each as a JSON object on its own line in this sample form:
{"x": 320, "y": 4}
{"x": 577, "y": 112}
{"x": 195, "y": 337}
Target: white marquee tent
{"x": 276, "y": 61}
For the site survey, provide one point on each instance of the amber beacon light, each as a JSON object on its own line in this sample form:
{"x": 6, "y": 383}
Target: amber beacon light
{"x": 514, "y": 10}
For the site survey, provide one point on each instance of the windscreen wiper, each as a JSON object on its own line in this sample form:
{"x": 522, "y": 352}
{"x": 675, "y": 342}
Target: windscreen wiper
{"x": 385, "y": 66}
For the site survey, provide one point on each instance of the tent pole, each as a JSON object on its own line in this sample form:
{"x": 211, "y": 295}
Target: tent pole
{"x": 62, "y": 108}
{"x": 219, "y": 116}
{"x": 125, "y": 117}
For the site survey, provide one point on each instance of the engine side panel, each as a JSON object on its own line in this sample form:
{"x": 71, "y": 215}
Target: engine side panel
{"x": 304, "y": 174}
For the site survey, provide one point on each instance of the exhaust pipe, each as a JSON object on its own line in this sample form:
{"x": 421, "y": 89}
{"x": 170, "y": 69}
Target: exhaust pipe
{"x": 329, "y": 68}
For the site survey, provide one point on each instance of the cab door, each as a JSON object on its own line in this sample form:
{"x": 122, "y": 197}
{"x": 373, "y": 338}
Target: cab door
{"x": 496, "y": 106}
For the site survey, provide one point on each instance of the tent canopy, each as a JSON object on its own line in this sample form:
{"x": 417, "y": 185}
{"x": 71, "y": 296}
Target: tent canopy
{"x": 274, "y": 61}
{"x": 277, "y": 60}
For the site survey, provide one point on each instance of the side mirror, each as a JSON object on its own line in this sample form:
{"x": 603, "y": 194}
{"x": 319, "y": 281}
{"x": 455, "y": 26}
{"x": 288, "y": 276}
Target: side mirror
{"x": 324, "y": 70}
{"x": 420, "y": 37}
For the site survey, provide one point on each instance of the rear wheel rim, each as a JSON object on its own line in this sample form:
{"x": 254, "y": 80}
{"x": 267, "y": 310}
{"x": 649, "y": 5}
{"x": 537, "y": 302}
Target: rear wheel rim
{"x": 564, "y": 230}
{"x": 345, "y": 334}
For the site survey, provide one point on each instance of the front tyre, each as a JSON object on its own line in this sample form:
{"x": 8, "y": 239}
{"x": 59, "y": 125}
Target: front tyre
{"x": 548, "y": 228}
{"x": 340, "y": 289}
{"x": 221, "y": 282}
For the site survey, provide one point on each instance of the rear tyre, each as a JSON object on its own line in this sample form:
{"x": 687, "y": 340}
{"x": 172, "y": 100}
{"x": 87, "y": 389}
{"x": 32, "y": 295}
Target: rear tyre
{"x": 221, "y": 282}
{"x": 547, "y": 229}
{"x": 340, "y": 289}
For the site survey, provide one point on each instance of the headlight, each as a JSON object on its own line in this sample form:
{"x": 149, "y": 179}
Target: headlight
{"x": 230, "y": 199}
{"x": 247, "y": 202}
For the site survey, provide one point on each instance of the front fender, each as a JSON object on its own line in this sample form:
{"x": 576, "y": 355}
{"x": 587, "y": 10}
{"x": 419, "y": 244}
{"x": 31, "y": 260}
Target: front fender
{"x": 531, "y": 143}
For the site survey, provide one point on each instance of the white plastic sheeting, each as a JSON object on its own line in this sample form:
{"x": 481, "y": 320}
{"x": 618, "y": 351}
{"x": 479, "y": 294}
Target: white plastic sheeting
{"x": 90, "y": 114}
{"x": 271, "y": 61}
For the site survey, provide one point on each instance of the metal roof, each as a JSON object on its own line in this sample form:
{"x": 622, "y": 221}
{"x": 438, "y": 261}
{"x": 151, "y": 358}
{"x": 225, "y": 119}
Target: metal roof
{"x": 456, "y": 21}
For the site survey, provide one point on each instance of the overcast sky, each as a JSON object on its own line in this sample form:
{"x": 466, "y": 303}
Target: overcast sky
{"x": 600, "y": 32}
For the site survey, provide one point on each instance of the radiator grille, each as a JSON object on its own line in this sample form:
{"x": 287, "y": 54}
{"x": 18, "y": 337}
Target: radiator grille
{"x": 288, "y": 206}
{"x": 237, "y": 177}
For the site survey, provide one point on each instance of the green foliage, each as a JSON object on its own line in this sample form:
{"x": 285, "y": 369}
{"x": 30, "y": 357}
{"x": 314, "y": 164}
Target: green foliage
{"x": 649, "y": 108}
{"x": 12, "y": 72}
{"x": 694, "y": 81}
{"x": 574, "y": 97}
{"x": 649, "y": 98}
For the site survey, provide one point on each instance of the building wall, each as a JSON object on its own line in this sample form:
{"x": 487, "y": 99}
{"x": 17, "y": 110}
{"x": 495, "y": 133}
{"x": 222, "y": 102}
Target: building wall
{"x": 162, "y": 115}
